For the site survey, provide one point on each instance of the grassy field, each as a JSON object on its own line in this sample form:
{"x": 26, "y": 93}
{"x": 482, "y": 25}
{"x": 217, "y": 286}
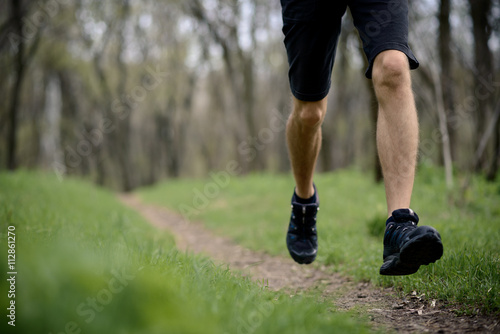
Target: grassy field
{"x": 87, "y": 264}
{"x": 254, "y": 211}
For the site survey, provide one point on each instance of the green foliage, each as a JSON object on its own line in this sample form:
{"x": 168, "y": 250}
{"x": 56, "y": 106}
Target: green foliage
{"x": 87, "y": 264}
{"x": 253, "y": 210}
{"x": 376, "y": 226}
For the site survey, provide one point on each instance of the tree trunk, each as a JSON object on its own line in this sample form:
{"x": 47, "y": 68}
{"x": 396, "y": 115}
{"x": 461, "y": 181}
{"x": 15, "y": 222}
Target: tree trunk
{"x": 377, "y": 167}
{"x": 443, "y": 128}
{"x": 123, "y": 133}
{"x": 483, "y": 61}
{"x": 103, "y": 113}
{"x": 490, "y": 132}
{"x": 447, "y": 84}
{"x": 50, "y": 132}
{"x": 16, "y": 89}
{"x": 373, "y": 107}
{"x": 493, "y": 171}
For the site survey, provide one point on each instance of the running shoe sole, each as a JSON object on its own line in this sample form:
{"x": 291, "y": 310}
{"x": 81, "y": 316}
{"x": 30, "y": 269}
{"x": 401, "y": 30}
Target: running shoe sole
{"x": 422, "y": 250}
{"x": 301, "y": 259}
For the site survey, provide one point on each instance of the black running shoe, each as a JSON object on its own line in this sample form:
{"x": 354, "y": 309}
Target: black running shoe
{"x": 302, "y": 238}
{"x": 408, "y": 246}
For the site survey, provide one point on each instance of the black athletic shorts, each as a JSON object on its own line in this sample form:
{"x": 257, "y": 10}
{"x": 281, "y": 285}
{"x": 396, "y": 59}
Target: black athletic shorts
{"x": 312, "y": 28}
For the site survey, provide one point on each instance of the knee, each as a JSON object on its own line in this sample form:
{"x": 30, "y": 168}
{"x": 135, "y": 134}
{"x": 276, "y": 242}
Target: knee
{"x": 391, "y": 70}
{"x": 310, "y": 114}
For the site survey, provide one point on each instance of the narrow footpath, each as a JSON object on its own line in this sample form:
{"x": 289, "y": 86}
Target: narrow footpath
{"x": 411, "y": 314}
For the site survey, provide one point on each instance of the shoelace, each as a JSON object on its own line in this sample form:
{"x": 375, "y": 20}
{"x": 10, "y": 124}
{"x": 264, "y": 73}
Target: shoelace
{"x": 397, "y": 231}
{"x": 307, "y": 222}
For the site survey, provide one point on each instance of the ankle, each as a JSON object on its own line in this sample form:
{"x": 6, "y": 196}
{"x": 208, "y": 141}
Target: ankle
{"x": 306, "y": 198}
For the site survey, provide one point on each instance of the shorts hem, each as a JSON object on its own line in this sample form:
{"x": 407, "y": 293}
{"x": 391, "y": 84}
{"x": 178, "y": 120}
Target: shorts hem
{"x": 310, "y": 97}
{"x": 392, "y": 46}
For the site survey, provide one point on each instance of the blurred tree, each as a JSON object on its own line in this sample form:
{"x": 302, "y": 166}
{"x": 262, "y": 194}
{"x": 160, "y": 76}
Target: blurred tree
{"x": 446, "y": 63}
{"x": 480, "y": 11}
{"x": 122, "y": 136}
{"x": 223, "y": 25}
{"x": 128, "y": 92}
{"x": 18, "y": 37}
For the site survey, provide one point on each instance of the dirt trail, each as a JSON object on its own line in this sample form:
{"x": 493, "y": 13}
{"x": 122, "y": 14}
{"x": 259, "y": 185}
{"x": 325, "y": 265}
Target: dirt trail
{"x": 412, "y": 314}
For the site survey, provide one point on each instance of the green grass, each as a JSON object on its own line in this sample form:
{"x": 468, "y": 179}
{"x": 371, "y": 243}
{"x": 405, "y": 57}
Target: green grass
{"x": 253, "y": 210}
{"x": 87, "y": 264}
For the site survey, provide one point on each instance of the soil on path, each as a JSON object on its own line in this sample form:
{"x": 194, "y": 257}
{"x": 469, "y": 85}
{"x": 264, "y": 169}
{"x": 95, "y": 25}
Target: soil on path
{"x": 411, "y": 314}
